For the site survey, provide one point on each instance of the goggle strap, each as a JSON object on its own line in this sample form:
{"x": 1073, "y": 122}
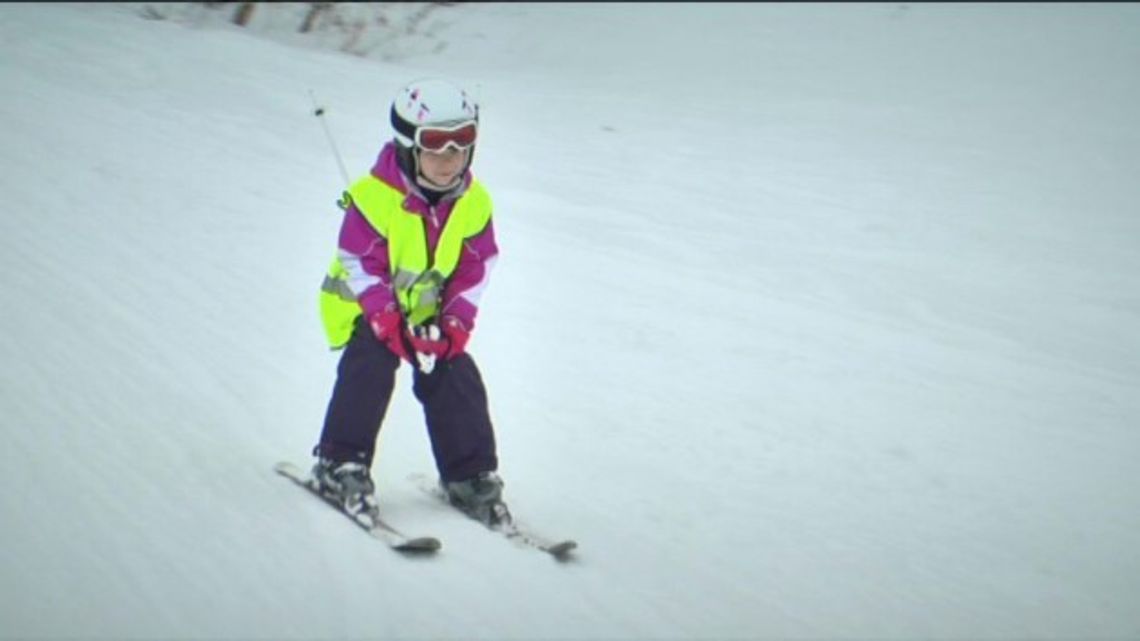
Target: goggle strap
{"x": 403, "y": 127}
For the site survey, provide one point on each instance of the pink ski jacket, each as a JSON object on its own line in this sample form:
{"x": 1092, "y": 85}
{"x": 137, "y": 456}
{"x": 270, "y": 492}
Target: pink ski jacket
{"x": 363, "y": 251}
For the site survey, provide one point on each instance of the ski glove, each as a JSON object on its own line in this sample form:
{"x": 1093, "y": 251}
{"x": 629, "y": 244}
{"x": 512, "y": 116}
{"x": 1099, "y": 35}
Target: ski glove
{"x": 446, "y": 342}
{"x": 388, "y": 326}
{"x": 457, "y": 336}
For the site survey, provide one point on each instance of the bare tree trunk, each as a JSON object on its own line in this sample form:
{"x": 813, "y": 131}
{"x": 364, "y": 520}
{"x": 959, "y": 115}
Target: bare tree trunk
{"x": 244, "y": 13}
{"x": 355, "y": 30}
{"x": 315, "y": 11}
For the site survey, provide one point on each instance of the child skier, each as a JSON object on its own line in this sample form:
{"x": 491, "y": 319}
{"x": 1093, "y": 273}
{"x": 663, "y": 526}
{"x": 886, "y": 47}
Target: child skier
{"x": 415, "y": 250}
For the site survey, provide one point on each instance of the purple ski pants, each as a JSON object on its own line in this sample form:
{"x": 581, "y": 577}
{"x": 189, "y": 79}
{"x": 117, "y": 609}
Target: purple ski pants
{"x": 452, "y": 395}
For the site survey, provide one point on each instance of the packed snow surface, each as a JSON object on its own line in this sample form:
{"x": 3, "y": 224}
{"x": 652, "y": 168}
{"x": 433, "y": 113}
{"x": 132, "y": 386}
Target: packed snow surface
{"x": 814, "y": 321}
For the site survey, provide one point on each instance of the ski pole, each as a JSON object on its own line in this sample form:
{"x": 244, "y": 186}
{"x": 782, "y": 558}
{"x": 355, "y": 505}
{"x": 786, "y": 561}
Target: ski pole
{"x": 319, "y": 112}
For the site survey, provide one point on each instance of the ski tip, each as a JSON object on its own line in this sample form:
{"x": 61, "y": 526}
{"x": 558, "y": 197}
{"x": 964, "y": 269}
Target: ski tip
{"x": 561, "y": 551}
{"x": 421, "y": 545}
{"x": 397, "y": 541}
{"x": 286, "y": 467}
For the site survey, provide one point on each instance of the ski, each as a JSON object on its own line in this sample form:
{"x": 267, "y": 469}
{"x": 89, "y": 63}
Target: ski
{"x": 369, "y": 520}
{"x": 513, "y": 531}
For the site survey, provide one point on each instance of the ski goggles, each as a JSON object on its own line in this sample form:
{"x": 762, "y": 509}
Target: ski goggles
{"x": 437, "y": 138}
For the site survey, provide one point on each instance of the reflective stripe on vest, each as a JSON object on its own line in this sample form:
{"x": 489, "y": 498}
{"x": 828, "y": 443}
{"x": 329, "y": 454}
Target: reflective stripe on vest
{"x": 417, "y": 279}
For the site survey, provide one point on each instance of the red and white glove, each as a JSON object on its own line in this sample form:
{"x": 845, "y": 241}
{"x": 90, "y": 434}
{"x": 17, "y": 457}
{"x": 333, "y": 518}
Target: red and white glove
{"x": 388, "y": 326}
{"x": 457, "y": 336}
{"x": 446, "y": 341}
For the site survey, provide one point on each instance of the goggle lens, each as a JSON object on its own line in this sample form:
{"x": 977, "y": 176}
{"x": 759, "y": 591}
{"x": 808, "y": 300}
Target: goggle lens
{"x": 438, "y": 138}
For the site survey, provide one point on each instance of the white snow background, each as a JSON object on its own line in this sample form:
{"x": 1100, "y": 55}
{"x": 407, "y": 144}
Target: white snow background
{"x": 811, "y": 321}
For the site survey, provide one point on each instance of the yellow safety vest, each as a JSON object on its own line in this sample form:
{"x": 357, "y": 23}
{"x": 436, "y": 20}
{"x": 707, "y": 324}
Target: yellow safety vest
{"x": 417, "y": 278}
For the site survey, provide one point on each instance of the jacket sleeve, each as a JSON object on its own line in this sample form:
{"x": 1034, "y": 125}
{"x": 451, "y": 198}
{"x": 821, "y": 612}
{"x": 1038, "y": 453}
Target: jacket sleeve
{"x": 364, "y": 254}
{"x": 465, "y": 287}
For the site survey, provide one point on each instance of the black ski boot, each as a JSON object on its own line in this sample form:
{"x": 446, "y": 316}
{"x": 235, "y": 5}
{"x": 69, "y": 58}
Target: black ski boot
{"x": 481, "y": 498}
{"x": 348, "y": 482}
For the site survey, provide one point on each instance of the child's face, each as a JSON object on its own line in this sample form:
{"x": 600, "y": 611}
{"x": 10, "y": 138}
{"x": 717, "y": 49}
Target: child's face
{"x": 442, "y": 167}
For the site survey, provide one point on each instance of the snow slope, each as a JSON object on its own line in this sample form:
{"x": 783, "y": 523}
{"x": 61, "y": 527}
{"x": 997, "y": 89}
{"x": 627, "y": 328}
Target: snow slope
{"x": 811, "y": 322}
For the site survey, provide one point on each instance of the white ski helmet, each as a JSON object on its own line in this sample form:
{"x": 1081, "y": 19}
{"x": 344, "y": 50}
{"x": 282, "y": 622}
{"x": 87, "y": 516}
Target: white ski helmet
{"x": 430, "y": 103}
{"x": 433, "y": 114}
